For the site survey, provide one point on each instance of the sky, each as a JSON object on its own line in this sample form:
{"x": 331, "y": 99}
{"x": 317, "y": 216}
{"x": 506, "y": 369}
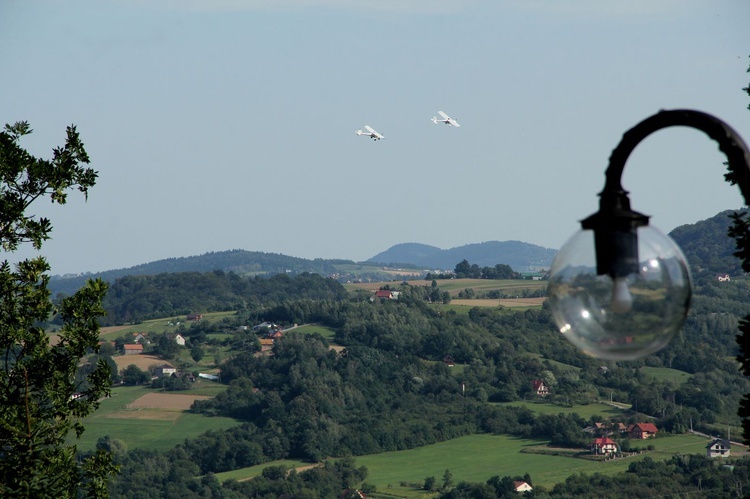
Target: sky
{"x": 230, "y": 124}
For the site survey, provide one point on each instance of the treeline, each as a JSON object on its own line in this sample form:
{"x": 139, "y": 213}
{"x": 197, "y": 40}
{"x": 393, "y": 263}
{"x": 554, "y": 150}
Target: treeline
{"x": 465, "y": 270}
{"x": 236, "y": 261}
{"x": 681, "y": 476}
{"x": 132, "y": 299}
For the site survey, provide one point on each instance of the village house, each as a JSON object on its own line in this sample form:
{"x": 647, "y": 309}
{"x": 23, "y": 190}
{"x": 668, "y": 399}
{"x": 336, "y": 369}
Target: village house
{"x": 384, "y": 293}
{"x": 718, "y": 447}
{"x": 448, "y": 360}
{"x": 603, "y": 445}
{"x": 265, "y": 326}
{"x": 164, "y": 370}
{"x": 132, "y": 349}
{"x": 607, "y": 428}
{"x": 178, "y": 338}
{"x": 275, "y": 334}
{"x": 540, "y": 387}
{"x": 521, "y": 487}
{"x": 194, "y": 317}
{"x": 140, "y": 338}
{"x": 642, "y": 430}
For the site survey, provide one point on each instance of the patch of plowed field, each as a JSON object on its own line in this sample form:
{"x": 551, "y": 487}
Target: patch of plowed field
{"x": 509, "y": 302}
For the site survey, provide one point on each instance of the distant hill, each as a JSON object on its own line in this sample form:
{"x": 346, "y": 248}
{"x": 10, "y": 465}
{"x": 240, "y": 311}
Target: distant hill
{"x": 707, "y": 246}
{"x": 520, "y": 256}
{"x": 238, "y": 261}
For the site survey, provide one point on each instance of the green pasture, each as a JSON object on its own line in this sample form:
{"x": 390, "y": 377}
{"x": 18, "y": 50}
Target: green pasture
{"x": 559, "y": 365}
{"x": 585, "y": 411}
{"x": 158, "y": 326}
{"x": 508, "y": 286}
{"x": 253, "y": 471}
{"x": 476, "y": 458}
{"x": 323, "y": 331}
{"x": 666, "y": 374}
{"x": 139, "y": 430}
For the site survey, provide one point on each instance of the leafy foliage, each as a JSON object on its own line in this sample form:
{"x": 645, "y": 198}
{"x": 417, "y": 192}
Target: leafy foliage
{"x": 41, "y": 399}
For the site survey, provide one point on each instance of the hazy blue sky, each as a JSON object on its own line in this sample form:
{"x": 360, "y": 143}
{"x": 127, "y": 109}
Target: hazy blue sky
{"x": 218, "y": 124}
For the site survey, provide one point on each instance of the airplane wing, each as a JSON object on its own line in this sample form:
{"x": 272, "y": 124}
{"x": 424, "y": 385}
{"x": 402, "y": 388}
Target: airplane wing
{"x": 445, "y": 116}
{"x": 453, "y": 122}
{"x": 369, "y": 129}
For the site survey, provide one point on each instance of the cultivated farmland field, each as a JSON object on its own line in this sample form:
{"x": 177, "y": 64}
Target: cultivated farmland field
{"x": 150, "y": 419}
{"x": 143, "y": 361}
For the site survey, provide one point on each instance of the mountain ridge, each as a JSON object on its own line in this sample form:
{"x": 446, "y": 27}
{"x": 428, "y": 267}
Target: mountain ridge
{"x": 695, "y": 240}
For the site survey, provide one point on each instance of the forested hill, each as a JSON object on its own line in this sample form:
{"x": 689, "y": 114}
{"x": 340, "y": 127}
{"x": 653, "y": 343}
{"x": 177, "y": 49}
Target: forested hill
{"x": 237, "y": 261}
{"x": 707, "y": 247}
{"x": 138, "y": 298}
{"x": 518, "y": 255}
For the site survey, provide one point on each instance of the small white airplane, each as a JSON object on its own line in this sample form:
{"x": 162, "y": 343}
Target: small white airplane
{"x": 445, "y": 119}
{"x": 370, "y": 133}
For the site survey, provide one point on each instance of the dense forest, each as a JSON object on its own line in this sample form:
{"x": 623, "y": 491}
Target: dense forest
{"x": 389, "y": 388}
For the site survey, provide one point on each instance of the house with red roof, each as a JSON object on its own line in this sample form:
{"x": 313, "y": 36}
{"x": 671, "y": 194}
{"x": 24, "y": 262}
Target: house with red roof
{"x": 521, "y": 487}
{"x": 603, "y": 445}
{"x": 642, "y": 430}
{"x": 132, "y": 348}
{"x": 540, "y": 387}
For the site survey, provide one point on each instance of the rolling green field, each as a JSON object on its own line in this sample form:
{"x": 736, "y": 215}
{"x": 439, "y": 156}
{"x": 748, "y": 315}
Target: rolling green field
{"x": 323, "y": 331}
{"x": 157, "y": 429}
{"x": 157, "y": 325}
{"x": 253, "y": 471}
{"x": 453, "y": 286}
{"x": 476, "y": 458}
{"x": 666, "y": 374}
{"x": 585, "y": 411}
{"x": 507, "y": 286}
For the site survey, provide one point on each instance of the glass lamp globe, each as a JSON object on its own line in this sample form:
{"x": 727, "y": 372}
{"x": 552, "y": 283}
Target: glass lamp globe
{"x": 628, "y": 316}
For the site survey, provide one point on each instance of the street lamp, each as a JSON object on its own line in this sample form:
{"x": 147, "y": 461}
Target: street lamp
{"x": 620, "y": 289}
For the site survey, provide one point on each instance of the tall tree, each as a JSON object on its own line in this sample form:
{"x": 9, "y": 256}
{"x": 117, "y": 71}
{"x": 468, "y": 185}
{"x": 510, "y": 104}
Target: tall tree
{"x": 740, "y": 231}
{"x": 41, "y": 401}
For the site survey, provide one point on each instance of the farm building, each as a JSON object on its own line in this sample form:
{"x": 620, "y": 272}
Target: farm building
{"x": 642, "y": 430}
{"x": 718, "y": 447}
{"x": 132, "y": 349}
{"x": 165, "y": 370}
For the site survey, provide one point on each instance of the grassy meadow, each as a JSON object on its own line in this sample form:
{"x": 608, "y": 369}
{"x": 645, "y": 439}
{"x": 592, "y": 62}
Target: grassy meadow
{"x": 157, "y": 326}
{"x": 476, "y": 458}
{"x": 158, "y": 426}
{"x": 585, "y": 411}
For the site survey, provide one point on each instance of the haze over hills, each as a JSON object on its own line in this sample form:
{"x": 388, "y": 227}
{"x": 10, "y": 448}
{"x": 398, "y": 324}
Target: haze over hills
{"x": 705, "y": 244}
{"x": 520, "y": 256}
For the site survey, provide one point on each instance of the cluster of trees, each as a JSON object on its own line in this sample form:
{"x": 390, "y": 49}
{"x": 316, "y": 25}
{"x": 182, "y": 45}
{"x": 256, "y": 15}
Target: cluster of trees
{"x": 132, "y": 299}
{"x": 689, "y": 475}
{"x": 465, "y": 270}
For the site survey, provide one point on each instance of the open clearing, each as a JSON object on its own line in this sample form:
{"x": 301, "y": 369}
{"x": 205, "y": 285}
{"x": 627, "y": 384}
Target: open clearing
{"x": 170, "y": 401}
{"x": 149, "y": 419}
{"x": 503, "y": 302}
{"x": 144, "y": 362}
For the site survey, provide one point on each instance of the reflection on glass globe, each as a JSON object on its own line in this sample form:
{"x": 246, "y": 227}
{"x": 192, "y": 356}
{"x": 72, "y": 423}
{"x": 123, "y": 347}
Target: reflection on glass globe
{"x": 627, "y": 317}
